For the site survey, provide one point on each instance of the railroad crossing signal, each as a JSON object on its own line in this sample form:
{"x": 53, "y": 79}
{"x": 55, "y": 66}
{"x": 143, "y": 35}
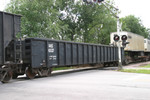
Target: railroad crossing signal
{"x": 123, "y": 38}
{"x": 98, "y": 1}
{"x": 116, "y": 38}
{"x": 93, "y": 1}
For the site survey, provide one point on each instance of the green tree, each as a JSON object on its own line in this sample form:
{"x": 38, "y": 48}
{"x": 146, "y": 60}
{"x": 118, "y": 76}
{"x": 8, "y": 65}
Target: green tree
{"x": 87, "y": 23}
{"x": 69, "y": 16}
{"x": 96, "y": 22}
{"x": 133, "y": 24}
{"x": 65, "y": 19}
{"x": 40, "y": 17}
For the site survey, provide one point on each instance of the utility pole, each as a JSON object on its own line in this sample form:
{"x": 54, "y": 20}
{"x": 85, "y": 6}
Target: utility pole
{"x": 118, "y": 26}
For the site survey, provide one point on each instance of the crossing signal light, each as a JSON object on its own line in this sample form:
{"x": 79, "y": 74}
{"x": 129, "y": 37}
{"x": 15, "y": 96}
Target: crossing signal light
{"x": 84, "y": 0}
{"x": 116, "y": 38}
{"x": 99, "y": 1}
{"x": 124, "y": 38}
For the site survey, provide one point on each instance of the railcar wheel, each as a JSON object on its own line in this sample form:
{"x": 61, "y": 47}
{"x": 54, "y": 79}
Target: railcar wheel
{"x": 6, "y": 77}
{"x": 126, "y": 62}
{"x": 29, "y": 73}
{"x": 49, "y": 72}
{"x": 45, "y": 72}
{"x": 14, "y": 76}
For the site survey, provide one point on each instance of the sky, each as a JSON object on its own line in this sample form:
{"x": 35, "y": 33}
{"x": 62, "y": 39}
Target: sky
{"x": 127, "y": 7}
{"x": 3, "y": 4}
{"x": 135, "y": 7}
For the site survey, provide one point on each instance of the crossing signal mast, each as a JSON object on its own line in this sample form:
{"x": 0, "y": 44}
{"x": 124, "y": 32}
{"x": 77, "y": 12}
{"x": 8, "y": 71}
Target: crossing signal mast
{"x": 117, "y": 37}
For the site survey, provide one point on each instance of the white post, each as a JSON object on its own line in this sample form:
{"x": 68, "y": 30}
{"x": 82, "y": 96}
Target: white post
{"x": 119, "y": 43}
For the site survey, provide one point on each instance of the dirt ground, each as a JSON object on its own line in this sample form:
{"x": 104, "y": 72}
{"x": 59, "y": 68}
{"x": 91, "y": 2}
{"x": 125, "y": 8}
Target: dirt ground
{"x": 137, "y": 65}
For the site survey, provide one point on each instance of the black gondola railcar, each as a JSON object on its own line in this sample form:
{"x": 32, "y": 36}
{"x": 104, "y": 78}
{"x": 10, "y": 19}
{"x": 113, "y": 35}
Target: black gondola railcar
{"x": 34, "y": 56}
{"x": 40, "y": 54}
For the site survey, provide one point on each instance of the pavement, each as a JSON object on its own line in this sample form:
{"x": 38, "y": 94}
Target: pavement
{"x": 83, "y": 84}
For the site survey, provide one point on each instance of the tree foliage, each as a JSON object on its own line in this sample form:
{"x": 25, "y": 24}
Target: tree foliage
{"x": 65, "y": 19}
{"x": 133, "y": 24}
{"x": 40, "y": 17}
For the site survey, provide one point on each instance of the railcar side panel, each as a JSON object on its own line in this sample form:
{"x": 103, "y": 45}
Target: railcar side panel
{"x": 98, "y": 54}
{"x": 94, "y": 54}
{"x": 49, "y": 53}
{"x": 52, "y": 54}
{"x": 38, "y": 53}
{"x": 68, "y": 54}
{"x": 1, "y": 40}
{"x": 74, "y": 54}
{"x": 62, "y": 54}
{"x": 80, "y": 54}
{"x": 89, "y": 54}
{"x": 9, "y": 27}
{"x": 85, "y": 54}
{"x": 102, "y": 54}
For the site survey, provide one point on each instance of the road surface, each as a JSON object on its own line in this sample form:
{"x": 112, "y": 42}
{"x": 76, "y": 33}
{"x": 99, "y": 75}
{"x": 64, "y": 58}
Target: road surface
{"x": 91, "y": 84}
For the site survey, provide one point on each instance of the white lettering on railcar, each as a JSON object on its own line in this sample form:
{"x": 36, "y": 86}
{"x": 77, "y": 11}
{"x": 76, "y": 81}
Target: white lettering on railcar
{"x": 55, "y": 64}
{"x": 50, "y": 48}
{"x": 52, "y": 58}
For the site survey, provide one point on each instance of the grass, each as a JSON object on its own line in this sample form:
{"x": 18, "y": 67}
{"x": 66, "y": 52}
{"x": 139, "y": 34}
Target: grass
{"x": 146, "y": 66}
{"x": 144, "y": 71}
